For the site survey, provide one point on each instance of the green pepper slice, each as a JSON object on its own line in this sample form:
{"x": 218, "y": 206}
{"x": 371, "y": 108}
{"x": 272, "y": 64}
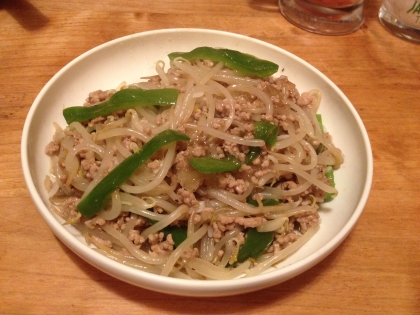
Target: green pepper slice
{"x": 330, "y": 175}
{"x": 233, "y": 59}
{"x": 209, "y": 165}
{"x": 319, "y": 119}
{"x": 96, "y": 199}
{"x": 123, "y": 99}
{"x": 252, "y": 154}
{"x": 330, "y": 171}
{"x": 265, "y": 131}
{"x": 256, "y": 243}
{"x": 178, "y": 234}
{"x": 321, "y": 147}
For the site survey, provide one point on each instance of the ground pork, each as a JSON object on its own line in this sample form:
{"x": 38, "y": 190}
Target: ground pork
{"x": 308, "y": 221}
{"x": 96, "y": 120}
{"x": 285, "y": 240}
{"x": 155, "y": 238}
{"x": 231, "y": 184}
{"x": 97, "y": 97}
{"x": 121, "y": 222}
{"x": 96, "y": 221}
{"x": 198, "y": 151}
{"x": 163, "y": 246}
{"x": 52, "y": 148}
{"x": 215, "y": 232}
{"x": 90, "y": 167}
{"x": 217, "y": 123}
{"x": 250, "y": 222}
{"x": 154, "y": 166}
{"x": 234, "y": 149}
{"x": 135, "y": 237}
{"x": 69, "y": 207}
{"x": 77, "y": 136}
{"x": 305, "y": 99}
{"x": 181, "y": 160}
{"x": 186, "y": 197}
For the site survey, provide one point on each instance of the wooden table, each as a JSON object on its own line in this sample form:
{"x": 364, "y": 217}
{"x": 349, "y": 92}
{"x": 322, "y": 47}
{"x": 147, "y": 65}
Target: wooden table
{"x": 376, "y": 269}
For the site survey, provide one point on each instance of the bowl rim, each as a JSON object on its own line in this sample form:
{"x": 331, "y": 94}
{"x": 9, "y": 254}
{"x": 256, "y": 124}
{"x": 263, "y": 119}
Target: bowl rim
{"x": 181, "y": 286}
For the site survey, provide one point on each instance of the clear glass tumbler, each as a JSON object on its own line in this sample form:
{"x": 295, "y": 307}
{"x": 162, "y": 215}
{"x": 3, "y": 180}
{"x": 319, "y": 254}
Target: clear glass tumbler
{"x": 401, "y": 18}
{"x": 329, "y": 17}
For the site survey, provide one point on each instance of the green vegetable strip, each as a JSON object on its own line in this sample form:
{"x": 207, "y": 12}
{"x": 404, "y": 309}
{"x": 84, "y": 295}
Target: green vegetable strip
{"x": 256, "y": 243}
{"x": 330, "y": 171}
{"x": 123, "y": 99}
{"x": 330, "y": 175}
{"x": 178, "y": 234}
{"x": 265, "y": 131}
{"x": 209, "y": 165}
{"x": 321, "y": 147}
{"x": 244, "y": 63}
{"x": 319, "y": 119}
{"x": 98, "y": 197}
{"x": 252, "y": 154}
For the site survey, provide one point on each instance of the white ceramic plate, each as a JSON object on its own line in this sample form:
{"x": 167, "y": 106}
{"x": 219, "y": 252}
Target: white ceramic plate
{"x": 131, "y": 57}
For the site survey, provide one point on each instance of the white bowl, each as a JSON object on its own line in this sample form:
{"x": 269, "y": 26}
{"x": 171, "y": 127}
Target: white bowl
{"x": 133, "y": 56}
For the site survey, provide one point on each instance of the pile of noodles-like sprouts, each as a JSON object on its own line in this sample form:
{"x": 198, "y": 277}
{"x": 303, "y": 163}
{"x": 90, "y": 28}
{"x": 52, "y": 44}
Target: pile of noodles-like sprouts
{"x": 215, "y": 108}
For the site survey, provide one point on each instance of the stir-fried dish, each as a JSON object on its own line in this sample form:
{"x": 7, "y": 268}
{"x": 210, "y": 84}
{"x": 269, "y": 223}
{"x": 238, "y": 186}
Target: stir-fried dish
{"x": 211, "y": 169}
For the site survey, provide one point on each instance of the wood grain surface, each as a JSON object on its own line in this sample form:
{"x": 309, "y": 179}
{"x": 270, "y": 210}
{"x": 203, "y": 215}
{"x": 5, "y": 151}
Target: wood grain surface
{"x": 375, "y": 271}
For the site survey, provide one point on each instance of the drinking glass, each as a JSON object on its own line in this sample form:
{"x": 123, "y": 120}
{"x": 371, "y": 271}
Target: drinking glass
{"x": 329, "y": 17}
{"x": 401, "y": 18}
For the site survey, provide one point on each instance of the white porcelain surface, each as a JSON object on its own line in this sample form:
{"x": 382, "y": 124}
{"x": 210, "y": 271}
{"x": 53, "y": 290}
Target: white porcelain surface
{"x": 131, "y": 57}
